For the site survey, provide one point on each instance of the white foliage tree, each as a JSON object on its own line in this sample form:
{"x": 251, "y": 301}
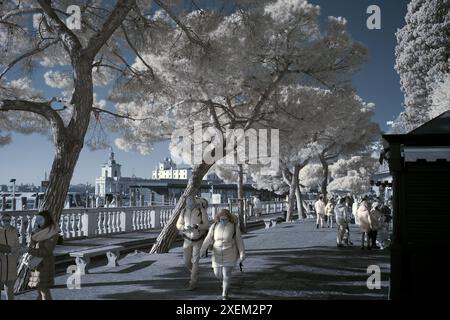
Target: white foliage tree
{"x": 422, "y": 58}
{"x": 35, "y": 39}
{"x": 352, "y": 175}
{"x": 226, "y": 71}
{"x": 440, "y": 98}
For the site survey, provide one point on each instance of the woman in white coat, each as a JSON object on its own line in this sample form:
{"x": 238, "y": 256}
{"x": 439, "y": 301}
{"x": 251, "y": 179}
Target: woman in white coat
{"x": 363, "y": 215}
{"x": 227, "y": 245}
{"x": 9, "y": 254}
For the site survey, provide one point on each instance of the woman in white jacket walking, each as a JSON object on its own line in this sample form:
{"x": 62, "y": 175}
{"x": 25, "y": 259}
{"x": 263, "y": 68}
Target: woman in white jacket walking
{"x": 227, "y": 247}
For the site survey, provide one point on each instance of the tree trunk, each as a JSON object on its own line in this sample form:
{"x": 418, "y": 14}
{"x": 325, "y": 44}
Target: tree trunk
{"x": 324, "y": 184}
{"x": 69, "y": 141}
{"x": 301, "y": 210}
{"x": 169, "y": 232}
{"x": 63, "y": 166}
{"x": 292, "y": 191}
{"x": 241, "y": 198}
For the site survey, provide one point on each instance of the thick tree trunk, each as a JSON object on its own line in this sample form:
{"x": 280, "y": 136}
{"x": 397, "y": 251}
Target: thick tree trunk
{"x": 292, "y": 191}
{"x": 301, "y": 210}
{"x": 169, "y": 232}
{"x": 324, "y": 184}
{"x": 240, "y": 188}
{"x": 63, "y": 166}
{"x": 69, "y": 142}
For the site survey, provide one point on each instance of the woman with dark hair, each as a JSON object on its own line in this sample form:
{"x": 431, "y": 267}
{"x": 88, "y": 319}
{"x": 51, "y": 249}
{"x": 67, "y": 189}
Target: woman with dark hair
{"x": 42, "y": 244}
{"x": 227, "y": 246}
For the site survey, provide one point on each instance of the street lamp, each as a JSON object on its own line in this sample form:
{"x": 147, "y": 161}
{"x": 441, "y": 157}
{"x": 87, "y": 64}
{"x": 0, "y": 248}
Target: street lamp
{"x": 13, "y": 181}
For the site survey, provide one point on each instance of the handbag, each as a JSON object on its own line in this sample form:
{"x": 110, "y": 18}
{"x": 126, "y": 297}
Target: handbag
{"x": 33, "y": 262}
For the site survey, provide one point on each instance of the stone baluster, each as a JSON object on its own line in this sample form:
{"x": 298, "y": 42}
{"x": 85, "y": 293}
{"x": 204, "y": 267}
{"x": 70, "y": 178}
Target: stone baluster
{"x": 144, "y": 219}
{"x": 116, "y": 221}
{"x": 79, "y": 224}
{"x": 108, "y": 223}
{"x": 100, "y": 223}
{"x": 62, "y": 226}
{"x": 140, "y": 219}
{"x": 149, "y": 220}
{"x": 134, "y": 219}
{"x": 74, "y": 223}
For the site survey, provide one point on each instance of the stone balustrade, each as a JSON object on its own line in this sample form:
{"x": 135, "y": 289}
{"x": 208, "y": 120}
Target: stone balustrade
{"x": 95, "y": 222}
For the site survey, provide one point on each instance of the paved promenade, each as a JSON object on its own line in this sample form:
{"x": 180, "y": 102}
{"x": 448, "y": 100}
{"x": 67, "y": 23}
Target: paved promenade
{"x": 289, "y": 261}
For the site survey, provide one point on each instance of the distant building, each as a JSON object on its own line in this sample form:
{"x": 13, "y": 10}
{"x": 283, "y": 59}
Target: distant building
{"x": 3, "y": 188}
{"x": 167, "y": 185}
{"x": 111, "y": 182}
{"x": 168, "y": 170}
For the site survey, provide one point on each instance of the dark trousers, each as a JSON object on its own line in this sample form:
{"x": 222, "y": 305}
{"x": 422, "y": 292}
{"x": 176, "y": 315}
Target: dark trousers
{"x": 371, "y": 239}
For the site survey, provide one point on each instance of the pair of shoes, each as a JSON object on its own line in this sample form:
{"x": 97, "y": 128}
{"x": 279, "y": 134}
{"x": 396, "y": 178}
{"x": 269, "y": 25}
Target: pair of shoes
{"x": 362, "y": 248}
{"x": 317, "y": 226}
{"x": 224, "y": 297}
{"x": 340, "y": 245}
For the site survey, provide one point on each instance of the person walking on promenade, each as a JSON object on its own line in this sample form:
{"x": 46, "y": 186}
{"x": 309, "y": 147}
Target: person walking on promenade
{"x": 41, "y": 247}
{"x": 225, "y": 239}
{"x": 376, "y": 222}
{"x": 9, "y": 254}
{"x": 257, "y": 206}
{"x": 363, "y": 215}
{"x": 319, "y": 206}
{"x": 193, "y": 223}
{"x": 329, "y": 212}
{"x": 355, "y": 209}
{"x": 341, "y": 214}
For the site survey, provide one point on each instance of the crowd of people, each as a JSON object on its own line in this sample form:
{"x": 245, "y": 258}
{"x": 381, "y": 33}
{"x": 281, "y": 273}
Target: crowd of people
{"x": 372, "y": 217}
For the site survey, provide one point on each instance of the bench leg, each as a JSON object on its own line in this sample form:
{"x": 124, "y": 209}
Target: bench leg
{"x": 274, "y": 223}
{"x": 112, "y": 258}
{"x": 267, "y": 224}
{"x": 82, "y": 265}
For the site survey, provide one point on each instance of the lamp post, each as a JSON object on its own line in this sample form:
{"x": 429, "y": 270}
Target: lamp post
{"x": 13, "y": 181}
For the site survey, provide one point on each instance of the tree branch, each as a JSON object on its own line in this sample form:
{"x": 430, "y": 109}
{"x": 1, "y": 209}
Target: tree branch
{"x": 69, "y": 39}
{"x": 122, "y": 116}
{"x": 43, "y": 109}
{"x": 127, "y": 39}
{"x": 26, "y": 55}
{"x": 192, "y": 36}
{"x": 114, "y": 20}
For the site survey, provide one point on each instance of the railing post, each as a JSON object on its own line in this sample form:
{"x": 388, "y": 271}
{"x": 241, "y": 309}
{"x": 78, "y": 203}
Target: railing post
{"x": 155, "y": 218}
{"x": 126, "y": 220}
{"x": 89, "y": 224}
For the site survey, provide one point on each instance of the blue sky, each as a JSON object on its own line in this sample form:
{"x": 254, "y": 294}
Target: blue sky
{"x": 28, "y": 157}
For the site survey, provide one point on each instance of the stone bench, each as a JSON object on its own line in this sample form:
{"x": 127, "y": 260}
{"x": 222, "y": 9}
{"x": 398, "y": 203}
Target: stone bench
{"x": 274, "y": 222}
{"x": 270, "y": 222}
{"x": 83, "y": 257}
